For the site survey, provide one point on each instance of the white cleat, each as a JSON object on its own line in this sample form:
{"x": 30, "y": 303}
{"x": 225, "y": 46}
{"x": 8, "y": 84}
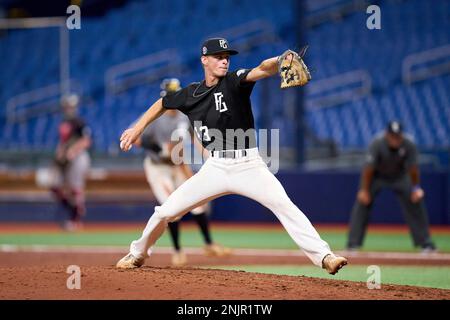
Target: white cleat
{"x": 217, "y": 250}
{"x": 130, "y": 262}
{"x": 333, "y": 264}
{"x": 179, "y": 259}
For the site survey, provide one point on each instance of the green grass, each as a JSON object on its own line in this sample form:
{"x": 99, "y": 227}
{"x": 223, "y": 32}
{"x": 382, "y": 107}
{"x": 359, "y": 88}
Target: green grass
{"x": 426, "y": 276}
{"x": 337, "y": 240}
{"x": 263, "y": 239}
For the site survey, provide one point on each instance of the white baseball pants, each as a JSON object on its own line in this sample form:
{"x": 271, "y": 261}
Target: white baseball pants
{"x": 248, "y": 176}
{"x": 76, "y": 173}
{"x": 165, "y": 179}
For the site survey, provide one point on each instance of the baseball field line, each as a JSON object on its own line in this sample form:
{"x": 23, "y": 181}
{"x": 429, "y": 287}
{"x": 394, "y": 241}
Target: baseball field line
{"x": 237, "y": 252}
{"x": 14, "y": 227}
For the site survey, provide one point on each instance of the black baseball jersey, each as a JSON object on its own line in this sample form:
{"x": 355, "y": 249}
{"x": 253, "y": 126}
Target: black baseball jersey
{"x": 72, "y": 129}
{"x": 221, "y": 114}
{"x": 391, "y": 163}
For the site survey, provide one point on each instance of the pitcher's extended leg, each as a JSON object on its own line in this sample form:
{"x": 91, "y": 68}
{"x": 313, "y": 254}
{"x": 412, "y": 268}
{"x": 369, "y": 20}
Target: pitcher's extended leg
{"x": 260, "y": 184}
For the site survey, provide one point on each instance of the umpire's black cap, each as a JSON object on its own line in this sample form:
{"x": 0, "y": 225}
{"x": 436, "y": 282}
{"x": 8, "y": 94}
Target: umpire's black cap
{"x": 394, "y": 127}
{"x": 216, "y": 45}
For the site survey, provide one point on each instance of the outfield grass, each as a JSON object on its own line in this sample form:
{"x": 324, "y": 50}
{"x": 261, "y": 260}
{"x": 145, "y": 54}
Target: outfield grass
{"x": 253, "y": 238}
{"x": 426, "y": 276}
{"x": 337, "y": 239}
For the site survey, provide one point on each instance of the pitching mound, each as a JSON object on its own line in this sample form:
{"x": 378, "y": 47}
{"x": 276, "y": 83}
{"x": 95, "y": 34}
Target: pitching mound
{"x": 43, "y": 275}
{"x": 189, "y": 283}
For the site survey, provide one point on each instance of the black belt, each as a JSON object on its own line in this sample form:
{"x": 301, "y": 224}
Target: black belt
{"x": 161, "y": 160}
{"x": 229, "y": 154}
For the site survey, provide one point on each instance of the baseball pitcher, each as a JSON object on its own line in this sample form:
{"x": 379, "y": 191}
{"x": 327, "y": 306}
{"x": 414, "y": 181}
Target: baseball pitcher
{"x": 214, "y": 106}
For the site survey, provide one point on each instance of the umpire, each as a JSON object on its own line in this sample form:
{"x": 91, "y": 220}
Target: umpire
{"x": 391, "y": 162}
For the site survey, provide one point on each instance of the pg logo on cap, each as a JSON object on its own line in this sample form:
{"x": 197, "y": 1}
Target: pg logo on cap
{"x": 205, "y": 50}
{"x": 223, "y": 43}
{"x": 395, "y": 127}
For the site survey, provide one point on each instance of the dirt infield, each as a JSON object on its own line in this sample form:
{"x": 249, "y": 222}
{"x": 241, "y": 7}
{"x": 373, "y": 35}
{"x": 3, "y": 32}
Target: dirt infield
{"x": 42, "y": 275}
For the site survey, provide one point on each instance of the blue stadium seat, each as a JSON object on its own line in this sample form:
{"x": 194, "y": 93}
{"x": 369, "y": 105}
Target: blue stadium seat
{"x": 116, "y": 37}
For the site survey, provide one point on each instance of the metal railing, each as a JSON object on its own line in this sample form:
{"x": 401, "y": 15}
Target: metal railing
{"x": 64, "y": 42}
{"x": 248, "y": 35}
{"x": 149, "y": 68}
{"x": 36, "y": 102}
{"x": 321, "y": 11}
{"x": 426, "y": 64}
{"x": 152, "y": 67}
{"x": 338, "y": 89}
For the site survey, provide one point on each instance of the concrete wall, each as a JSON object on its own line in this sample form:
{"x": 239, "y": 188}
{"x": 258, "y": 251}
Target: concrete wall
{"x": 325, "y": 197}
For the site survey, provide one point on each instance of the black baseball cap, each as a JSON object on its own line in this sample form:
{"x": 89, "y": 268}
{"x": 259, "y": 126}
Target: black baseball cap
{"x": 216, "y": 45}
{"x": 394, "y": 127}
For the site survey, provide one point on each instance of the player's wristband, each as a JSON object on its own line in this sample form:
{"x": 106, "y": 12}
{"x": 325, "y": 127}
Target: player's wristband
{"x": 416, "y": 188}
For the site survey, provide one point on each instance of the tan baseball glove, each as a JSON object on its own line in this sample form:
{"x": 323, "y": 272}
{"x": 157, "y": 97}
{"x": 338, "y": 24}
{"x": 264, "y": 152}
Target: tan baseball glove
{"x": 293, "y": 71}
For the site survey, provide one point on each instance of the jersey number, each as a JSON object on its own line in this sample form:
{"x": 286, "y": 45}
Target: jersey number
{"x": 203, "y": 129}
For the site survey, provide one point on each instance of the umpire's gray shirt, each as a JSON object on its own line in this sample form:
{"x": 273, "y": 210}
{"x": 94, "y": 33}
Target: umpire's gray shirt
{"x": 160, "y": 132}
{"x": 391, "y": 163}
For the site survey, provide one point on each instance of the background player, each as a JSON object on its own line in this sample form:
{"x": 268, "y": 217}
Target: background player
{"x": 71, "y": 162}
{"x": 392, "y": 163}
{"x": 164, "y": 176}
{"x": 218, "y": 103}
